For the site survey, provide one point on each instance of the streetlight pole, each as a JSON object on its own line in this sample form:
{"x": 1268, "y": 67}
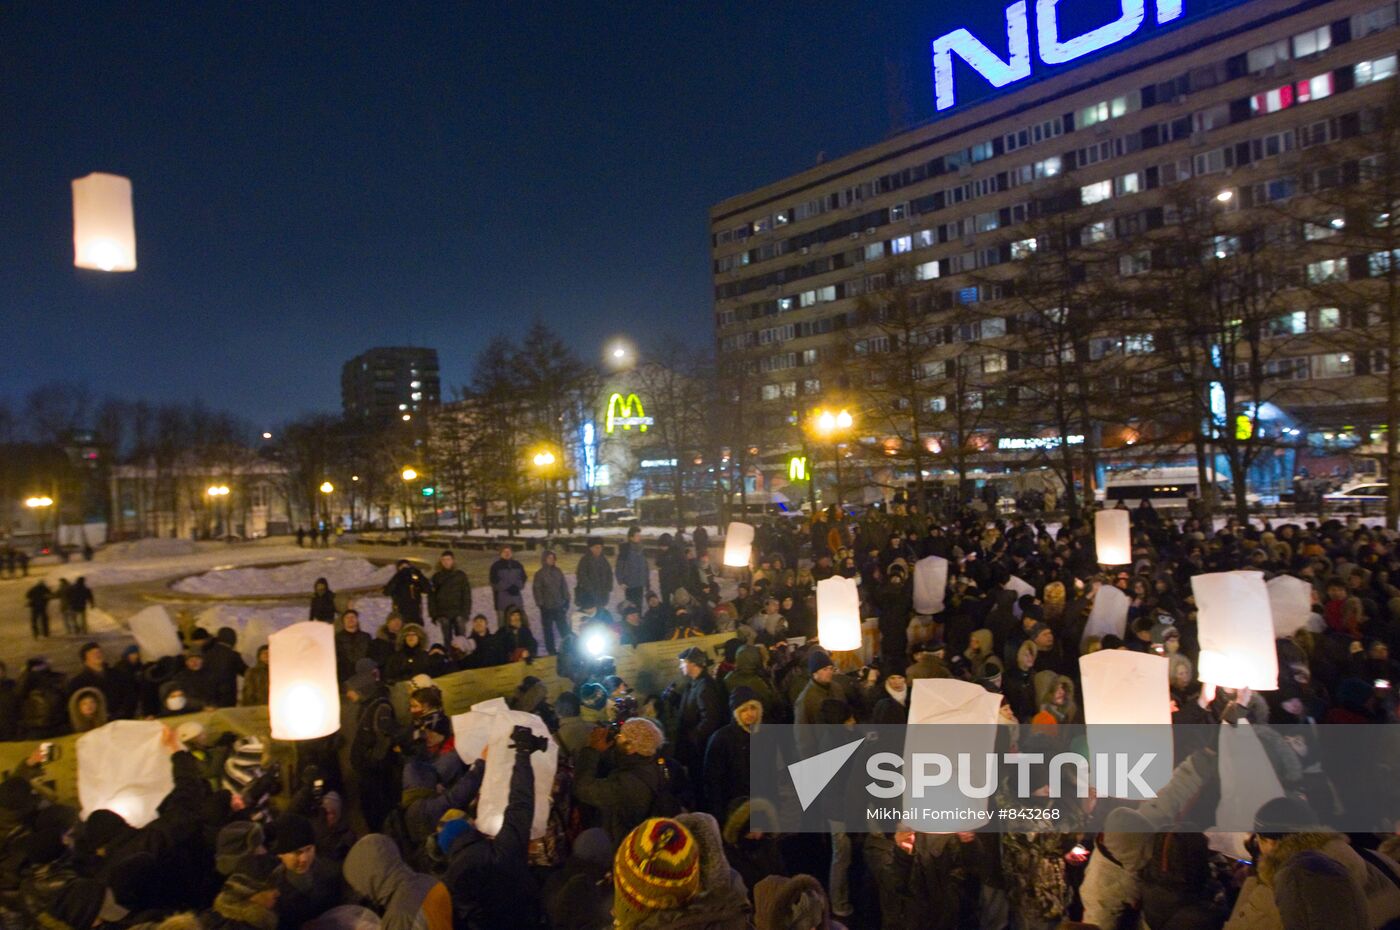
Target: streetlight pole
{"x": 544, "y": 462}
{"x": 834, "y": 425}
{"x": 409, "y": 475}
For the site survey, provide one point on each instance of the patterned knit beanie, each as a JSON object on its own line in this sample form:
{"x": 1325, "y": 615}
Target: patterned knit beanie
{"x": 657, "y": 868}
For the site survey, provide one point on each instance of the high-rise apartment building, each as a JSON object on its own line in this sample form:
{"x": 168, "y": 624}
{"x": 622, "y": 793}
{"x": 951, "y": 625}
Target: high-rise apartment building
{"x": 1044, "y": 235}
{"x": 392, "y": 383}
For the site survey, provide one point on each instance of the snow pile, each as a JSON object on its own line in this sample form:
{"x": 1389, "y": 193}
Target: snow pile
{"x": 297, "y": 578}
{"x": 151, "y": 549}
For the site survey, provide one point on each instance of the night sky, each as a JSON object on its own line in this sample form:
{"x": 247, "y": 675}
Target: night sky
{"x": 313, "y": 180}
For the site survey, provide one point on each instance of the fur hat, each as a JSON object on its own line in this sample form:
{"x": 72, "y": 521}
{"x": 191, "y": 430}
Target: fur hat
{"x": 656, "y": 868}
{"x": 292, "y": 832}
{"x": 642, "y": 735}
{"x": 781, "y": 903}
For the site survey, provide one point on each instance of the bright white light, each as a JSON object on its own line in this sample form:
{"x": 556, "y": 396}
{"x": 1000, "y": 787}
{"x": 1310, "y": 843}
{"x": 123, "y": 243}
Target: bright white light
{"x": 267, "y": 435}
{"x": 307, "y": 718}
{"x": 1225, "y": 196}
{"x": 596, "y": 643}
{"x": 106, "y": 254}
{"x": 407, "y": 417}
{"x": 619, "y": 352}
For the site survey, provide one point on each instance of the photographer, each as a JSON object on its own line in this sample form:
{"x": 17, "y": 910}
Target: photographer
{"x": 490, "y": 877}
{"x": 627, "y": 793}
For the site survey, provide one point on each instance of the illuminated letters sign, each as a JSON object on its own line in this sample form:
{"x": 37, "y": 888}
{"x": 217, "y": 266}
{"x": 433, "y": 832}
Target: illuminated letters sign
{"x": 1052, "y": 47}
{"x": 1019, "y": 443}
{"x": 797, "y": 468}
{"x": 590, "y": 455}
{"x": 626, "y": 412}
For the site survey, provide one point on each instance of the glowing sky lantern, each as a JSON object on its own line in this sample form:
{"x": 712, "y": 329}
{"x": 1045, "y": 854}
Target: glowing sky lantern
{"x": 124, "y": 767}
{"x": 930, "y": 584}
{"x": 1112, "y": 537}
{"x": 104, "y": 225}
{"x": 838, "y": 614}
{"x": 303, "y": 694}
{"x": 1128, "y": 709}
{"x": 1236, "y": 631}
{"x": 738, "y": 545}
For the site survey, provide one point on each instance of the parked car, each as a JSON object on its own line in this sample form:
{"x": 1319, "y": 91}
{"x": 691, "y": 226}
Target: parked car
{"x": 1358, "y": 495}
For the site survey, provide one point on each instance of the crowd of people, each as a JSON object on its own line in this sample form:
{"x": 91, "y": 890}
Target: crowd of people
{"x": 651, "y": 822}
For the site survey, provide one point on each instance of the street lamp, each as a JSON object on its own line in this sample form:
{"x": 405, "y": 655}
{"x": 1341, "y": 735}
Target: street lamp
{"x": 41, "y": 503}
{"x": 409, "y": 475}
{"x": 544, "y": 461}
{"x": 219, "y": 493}
{"x": 620, "y": 354}
{"x": 833, "y": 426}
{"x": 327, "y": 487}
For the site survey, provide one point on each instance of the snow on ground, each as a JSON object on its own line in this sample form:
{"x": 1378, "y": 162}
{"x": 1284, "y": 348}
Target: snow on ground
{"x": 297, "y": 578}
{"x": 151, "y": 549}
{"x": 114, "y": 569}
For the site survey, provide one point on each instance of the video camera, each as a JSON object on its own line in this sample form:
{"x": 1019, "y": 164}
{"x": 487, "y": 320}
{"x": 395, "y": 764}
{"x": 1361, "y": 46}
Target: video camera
{"x": 263, "y": 787}
{"x": 624, "y": 709}
{"x": 522, "y": 738}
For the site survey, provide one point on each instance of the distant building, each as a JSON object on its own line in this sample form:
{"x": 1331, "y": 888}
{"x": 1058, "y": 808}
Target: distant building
{"x": 390, "y": 383}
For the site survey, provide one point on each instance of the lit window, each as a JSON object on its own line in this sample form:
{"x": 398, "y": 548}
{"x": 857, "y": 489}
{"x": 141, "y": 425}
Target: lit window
{"x": 769, "y": 392}
{"x": 807, "y": 298}
{"x": 1022, "y": 248}
{"x": 786, "y": 303}
{"x": 1329, "y": 269}
{"x": 1138, "y": 345}
{"x": 1333, "y": 365}
{"x": 1315, "y": 88}
{"x": 1097, "y": 232}
{"x": 1271, "y": 101}
{"x": 874, "y": 250}
{"x": 403, "y": 406}
{"x": 901, "y": 245}
{"x": 923, "y": 238}
{"x": 1312, "y": 42}
{"x": 415, "y": 384}
{"x": 1049, "y": 167}
{"x": 416, "y": 395}
{"x": 1127, "y": 184}
{"x": 1380, "y": 69}
{"x": 1096, "y": 192}
{"x": 1135, "y": 263}
{"x": 1329, "y": 318}
{"x": 936, "y": 404}
{"x": 827, "y": 293}
{"x": 926, "y": 272}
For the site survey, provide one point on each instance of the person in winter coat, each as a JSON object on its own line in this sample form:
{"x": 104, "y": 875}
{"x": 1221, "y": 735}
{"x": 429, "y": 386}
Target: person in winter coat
{"x": 87, "y": 710}
{"x": 624, "y": 788}
{"x": 127, "y": 686}
{"x": 702, "y": 711}
{"x": 406, "y": 590}
{"x": 42, "y": 701}
{"x": 892, "y": 705}
{"x": 749, "y": 673}
{"x": 1018, "y": 683}
{"x": 404, "y": 899}
{"x": 516, "y": 639}
{"x": 307, "y": 884}
{"x": 822, "y": 685}
{"x": 1286, "y": 828}
{"x": 594, "y": 580}
{"x": 95, "y": 674}
{"x": 371, "y": 762}
{"x": 551, "y": 592}
{"x": 322, "y": 601}
{"x": 507, "y": 583}
{"x": 38, "y": 598}
{"x": 1055, "y": 697}
{"x": 351, "y": 644}
{"x": 248, "y": 900}
{"x": 257, "y": 682}
{"x": 632, "y": 571}
{"x": 410, "y": 655}
{"x": 489, "y": 877}
{"x": 425, "y": 799}
{"x": 672, "y": 872}
{"x": 895, "y": 600}
{"x": 76, "y": 605}
{"x": 223, "y": 665}
{"x": 488, "y": 649}
{"x": 450, "y": 599}
{"x": 578, "y": 896}
{"x": 727, "y": 753}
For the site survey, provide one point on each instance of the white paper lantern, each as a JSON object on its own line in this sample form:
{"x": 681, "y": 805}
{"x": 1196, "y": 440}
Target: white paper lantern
{"x": 967, "y": 715}
{"x": 124, "y": 767}
{"x": 1247, "y": 782}
{"x": 1127, "y": 706}
{"x": 838, "y": 614}
{"x": 738, "y": 545}
{"x": 488, "y": 726}
{"x": 1236, "y": 631}
{"x": 930, "y": 584}
{"x": 303, "y": 695}
{"x": 1290, "y": 602}
{"x": 1108, "y": 615}
{"x": 1112, "y": 538}
{"x": 155, "y": 634}
{"x": 104, "y": 226}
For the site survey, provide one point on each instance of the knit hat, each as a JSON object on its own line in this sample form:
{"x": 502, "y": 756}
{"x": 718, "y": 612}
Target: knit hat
{"x": 592, "y": 695}
{"x": 1284, "y": 815}
{"x": 741, "y": 696}
{"x": 696, "y": 656}
{"x": 244, "y": 763}
{"x": 449, "y": 831}
{"x": 657, "y": 868}
{"x": 362, "y": 683}
{"x": 292, "y": 832}
{"x": 235, "y": 841}
{"x": 817, "y": 660}
{"x": 642, "y": 735}
{"x": 256, "y": 874}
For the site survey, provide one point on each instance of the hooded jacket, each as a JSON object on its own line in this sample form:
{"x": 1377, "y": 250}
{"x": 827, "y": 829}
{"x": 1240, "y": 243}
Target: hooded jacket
{"x": 79, "y": 723}
{"x": 406, "y": 662}
{"x": 780, "y": 903}
{"x": 1045, "y": 684}
{"x": 727, "y": 765}
{"x": 1255, "y": 909}
{"x": 407, "y": 900}
{"x": 748, "y": 673}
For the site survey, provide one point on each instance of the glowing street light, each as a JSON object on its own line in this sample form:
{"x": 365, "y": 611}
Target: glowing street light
{"x": 407, "y": 417}
{"x": 620, "y": 354}
{"x": 543, "y": 459}
{"x": 832, "y": 426}
{"x": 267, "y": 435}
{"x": 35, "y": 503}
{"x": 217, "y": 490}
{"x": 409, "y": 474}
{"x": 327, "y": 487}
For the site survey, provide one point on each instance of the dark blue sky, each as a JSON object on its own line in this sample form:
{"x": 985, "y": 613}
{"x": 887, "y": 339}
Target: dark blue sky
{"x": 312, "y": 180}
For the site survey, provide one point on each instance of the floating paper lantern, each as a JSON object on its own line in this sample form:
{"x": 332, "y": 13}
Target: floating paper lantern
{"x": 1123, "y": 691}
{"x": 1290, "y": 603}
{"x": 738, "y": 545}
{"x": 155, "y": 634}
{"x": 930, "y": 584}
{"x": 1108, "y": 615}
{"x": 303, "y": 695}
{"x": 1236, "y": 631}
{"x": 104, "y": 227}
{"x": 838, "y": 614}
{"x": 1112, "y": 538}
{"x": 124, "y": 767}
